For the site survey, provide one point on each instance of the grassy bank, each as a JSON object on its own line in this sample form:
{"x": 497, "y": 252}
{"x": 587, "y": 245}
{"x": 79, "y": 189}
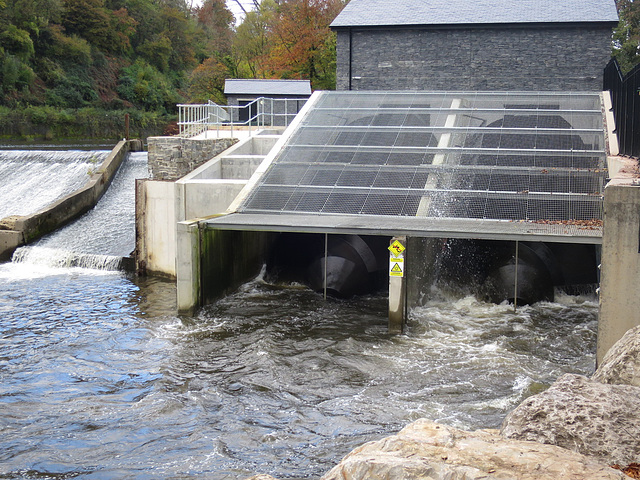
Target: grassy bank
{"x": 52, "y": 124}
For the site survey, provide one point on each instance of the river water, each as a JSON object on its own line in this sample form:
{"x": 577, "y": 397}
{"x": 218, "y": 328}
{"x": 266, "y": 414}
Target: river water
{"x": 100, "y": 379}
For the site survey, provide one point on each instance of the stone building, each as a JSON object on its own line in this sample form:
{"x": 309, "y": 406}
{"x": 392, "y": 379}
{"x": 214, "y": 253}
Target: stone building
{"x": 286, "y": 98}
{"x": 461, "y": 45}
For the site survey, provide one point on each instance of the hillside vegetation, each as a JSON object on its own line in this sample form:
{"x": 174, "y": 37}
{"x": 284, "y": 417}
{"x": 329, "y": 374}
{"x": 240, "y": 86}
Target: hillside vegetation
{"x": 73, "y": 67}
{"x": 146, "y": 56}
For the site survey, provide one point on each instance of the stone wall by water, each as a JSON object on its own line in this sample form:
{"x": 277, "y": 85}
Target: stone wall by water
{"x": 171, "y": 158}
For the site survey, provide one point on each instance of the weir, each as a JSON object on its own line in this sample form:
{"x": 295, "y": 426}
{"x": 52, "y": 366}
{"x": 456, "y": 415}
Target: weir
{"x": 99, "y": 239}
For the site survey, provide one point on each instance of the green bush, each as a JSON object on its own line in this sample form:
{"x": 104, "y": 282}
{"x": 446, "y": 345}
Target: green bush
{"x": 15, "y": 74}
{"x": 17, "y": 41}
{"x": 147, "y": 88}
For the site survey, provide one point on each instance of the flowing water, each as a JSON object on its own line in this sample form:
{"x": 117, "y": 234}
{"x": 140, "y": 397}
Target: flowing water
{"x": 100, "y": 379}
{"x": 32, "y": 179}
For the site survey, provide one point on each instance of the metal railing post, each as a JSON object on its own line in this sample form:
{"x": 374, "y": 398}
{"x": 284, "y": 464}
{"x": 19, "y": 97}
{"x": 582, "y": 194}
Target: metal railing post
{"x": 196, "y": 119}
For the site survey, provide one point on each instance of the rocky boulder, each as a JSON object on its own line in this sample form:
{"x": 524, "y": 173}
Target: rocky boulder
{"x": 582, "y": 415}
{"x": 429, "y": 451}
{"x": 621, "y": 364}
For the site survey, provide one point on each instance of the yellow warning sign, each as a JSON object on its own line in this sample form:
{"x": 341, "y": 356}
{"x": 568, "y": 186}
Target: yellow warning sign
{"x": 396, "y": 267}
{"x": 396, "y": 248}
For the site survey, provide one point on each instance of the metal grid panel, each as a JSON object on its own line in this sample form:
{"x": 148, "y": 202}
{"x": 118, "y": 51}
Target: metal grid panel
{"x": 491, "y": 156}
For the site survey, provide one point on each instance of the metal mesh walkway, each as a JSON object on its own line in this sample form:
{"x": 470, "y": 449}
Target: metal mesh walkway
{"x": 450, "y": 159}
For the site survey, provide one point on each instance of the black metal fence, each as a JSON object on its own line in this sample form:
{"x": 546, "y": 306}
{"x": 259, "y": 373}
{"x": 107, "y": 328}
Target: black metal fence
{"x": 625, "y": 95}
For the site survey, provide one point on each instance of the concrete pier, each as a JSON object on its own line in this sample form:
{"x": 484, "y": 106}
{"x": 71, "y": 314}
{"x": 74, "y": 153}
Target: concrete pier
{"x": 620, "y": 267}
{"x": 397, "y": 284}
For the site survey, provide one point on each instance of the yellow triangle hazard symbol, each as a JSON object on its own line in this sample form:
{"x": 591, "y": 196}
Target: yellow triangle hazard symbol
{"x": 396, "y": 268}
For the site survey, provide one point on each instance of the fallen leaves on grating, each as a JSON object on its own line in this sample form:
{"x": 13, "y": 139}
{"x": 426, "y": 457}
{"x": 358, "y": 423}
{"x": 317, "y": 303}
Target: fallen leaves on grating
{"x": 582, "y": 224}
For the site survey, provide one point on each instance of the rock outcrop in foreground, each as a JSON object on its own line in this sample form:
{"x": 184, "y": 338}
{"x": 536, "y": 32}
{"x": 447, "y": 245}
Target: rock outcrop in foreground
{"x": 427, "y": 450}
{"x": 621, "y": 364}
{"x": 596, "y": 417}
{"x": 579, "y": 414}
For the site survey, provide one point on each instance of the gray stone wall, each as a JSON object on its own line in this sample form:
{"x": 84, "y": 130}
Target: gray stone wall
{"x": 171, "y": 158}
{"x": 530, "y": 58}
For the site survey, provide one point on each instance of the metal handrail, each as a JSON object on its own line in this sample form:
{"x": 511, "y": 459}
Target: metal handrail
{"x": 195, "y": 119}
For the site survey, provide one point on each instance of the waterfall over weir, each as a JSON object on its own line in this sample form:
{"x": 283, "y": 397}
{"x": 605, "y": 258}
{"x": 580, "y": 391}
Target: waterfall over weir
{"x": 32, "y": 179}
{"x": 100, "y": 238}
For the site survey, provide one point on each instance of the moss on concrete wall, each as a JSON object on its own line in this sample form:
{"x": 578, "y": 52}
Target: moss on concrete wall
{"x": 229, "y": 259}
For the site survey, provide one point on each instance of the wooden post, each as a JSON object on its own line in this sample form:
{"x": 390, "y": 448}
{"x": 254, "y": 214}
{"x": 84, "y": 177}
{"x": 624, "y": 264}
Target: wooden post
{"x": 397, "y": 284}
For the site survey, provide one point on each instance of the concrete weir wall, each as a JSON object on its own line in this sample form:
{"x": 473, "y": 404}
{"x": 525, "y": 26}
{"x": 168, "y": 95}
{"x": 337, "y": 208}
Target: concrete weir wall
{"x": 16, "y": 231}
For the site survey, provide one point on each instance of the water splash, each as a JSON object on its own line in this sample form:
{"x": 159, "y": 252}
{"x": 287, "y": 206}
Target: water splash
{"x": 58, "y": 258}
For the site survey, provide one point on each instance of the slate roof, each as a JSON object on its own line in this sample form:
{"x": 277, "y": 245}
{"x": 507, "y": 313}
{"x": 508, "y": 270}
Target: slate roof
{"x": 361, "y": 13}
{"x": 234, "y": 86}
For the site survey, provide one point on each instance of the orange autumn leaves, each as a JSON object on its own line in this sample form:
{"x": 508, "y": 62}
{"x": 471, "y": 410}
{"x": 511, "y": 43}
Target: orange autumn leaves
{"x": 290, "y": 39}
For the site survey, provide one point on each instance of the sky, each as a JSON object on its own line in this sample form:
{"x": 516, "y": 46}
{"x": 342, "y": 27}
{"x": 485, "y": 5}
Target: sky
{"x": 233, "y": 6}
{"x": 237, "y": 11}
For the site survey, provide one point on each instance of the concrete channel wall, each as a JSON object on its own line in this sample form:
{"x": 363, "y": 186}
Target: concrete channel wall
{"x": 620, "y": 254}
{"x": 206, "y": 191}
{"x": 214, "y": 263}
{"x": 16, "y": 231}
{"x": 620, "y": 265}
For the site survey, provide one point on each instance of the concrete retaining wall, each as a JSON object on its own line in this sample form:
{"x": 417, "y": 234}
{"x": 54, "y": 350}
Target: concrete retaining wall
{"x": 620, "y": 265}
{"x": 20, "y": 230}
{"x": 213, "y": 263}
{"x": 155, "y": 227}
{"x": 208, "y": 190}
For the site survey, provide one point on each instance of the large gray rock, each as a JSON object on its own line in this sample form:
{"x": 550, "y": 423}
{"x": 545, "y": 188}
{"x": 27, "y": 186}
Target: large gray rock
{"x": 621, "y": 364}
{"x": 582, "y": 415}
{"x": 425, "y": 450}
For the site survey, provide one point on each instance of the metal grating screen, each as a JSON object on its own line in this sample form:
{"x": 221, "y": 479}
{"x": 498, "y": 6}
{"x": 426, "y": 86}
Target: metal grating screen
{"x": 488, "y": 156}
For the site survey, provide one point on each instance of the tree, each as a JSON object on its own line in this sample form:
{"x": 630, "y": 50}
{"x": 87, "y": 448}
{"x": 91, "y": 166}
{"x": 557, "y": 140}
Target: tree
{"x": 89, "y": 20}
{"x": 215, "y": 21}
{"x": 302, "y": 44}
{"x": 177, "y": 27}
{"x": 626, "y": 36}
{"x": 207, "y": 82}
{"x": 251, "y": 45}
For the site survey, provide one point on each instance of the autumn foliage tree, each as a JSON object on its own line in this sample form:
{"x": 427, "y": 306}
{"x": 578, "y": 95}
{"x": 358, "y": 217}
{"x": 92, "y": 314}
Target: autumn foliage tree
{"x": 251, "y": 42}
{"x": 207, "y": 82}
{"x": 289, "y": 39}
{"x": 301, "y": 42}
